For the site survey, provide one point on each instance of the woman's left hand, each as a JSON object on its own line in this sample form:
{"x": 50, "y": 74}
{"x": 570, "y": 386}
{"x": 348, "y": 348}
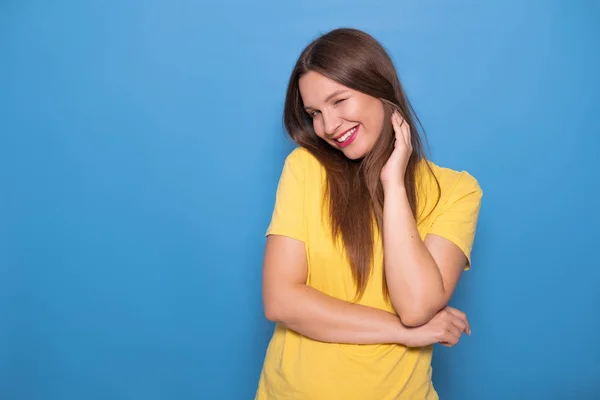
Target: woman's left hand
{"x": 394, "y": 169}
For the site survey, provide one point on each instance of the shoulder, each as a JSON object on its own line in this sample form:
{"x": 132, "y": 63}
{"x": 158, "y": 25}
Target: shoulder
{"x": 300, "y": 156}
{"x": 451, "y": 179}
{"x": 302, "y": 160}
{"x": 297, "y": 157}
{"x": 428, "y": 172}
{"x": 438, "y": 186}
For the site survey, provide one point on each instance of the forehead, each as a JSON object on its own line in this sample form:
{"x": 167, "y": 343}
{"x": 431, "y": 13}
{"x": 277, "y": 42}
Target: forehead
{"x": 314, "y": 88}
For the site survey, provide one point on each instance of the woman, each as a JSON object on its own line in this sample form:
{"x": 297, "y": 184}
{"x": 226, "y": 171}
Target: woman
{"x": 367, "y": 240}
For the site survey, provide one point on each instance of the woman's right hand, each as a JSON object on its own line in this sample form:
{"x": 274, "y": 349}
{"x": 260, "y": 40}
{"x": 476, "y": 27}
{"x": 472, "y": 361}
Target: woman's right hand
{"x": 446, "y": 327}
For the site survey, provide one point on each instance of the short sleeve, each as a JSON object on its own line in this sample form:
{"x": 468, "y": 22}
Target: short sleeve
{"x": 457, "y": 220}
{"x": 288, "y": 213}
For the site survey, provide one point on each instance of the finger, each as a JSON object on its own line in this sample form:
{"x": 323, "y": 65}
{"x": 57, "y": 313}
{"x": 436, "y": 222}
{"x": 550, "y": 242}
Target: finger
{"x": 462, "y": 322}
{"x": 450, "y": 339}
{"x": 406, "y": 132}
{"x": 462, "y": 316}
{"x": 459, "y": 324}
{"x": 399, "y": 127}
{"x": 458, "y": 320}
{"x": 396, "y": 126}
{"x": 454, "y": 331}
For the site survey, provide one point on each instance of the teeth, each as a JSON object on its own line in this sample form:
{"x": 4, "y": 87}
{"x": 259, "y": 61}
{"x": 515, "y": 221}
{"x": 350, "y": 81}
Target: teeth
{"x": 346, "y": 136}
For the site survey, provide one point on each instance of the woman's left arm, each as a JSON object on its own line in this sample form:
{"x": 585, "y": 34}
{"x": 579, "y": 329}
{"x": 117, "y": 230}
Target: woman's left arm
{"x": 421, "y": 274}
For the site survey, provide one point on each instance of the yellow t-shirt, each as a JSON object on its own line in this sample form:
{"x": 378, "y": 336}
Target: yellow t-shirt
{"x": 299, "y": 368}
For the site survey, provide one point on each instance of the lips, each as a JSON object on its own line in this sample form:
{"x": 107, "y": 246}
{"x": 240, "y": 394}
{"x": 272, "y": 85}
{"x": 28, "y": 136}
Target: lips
{"x": 341, "y": 135}
{"x": 345, "y": 138}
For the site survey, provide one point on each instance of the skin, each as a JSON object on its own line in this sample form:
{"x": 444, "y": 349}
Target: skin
{"x": 345, "y": 110}
{"x": 421, "y": 275}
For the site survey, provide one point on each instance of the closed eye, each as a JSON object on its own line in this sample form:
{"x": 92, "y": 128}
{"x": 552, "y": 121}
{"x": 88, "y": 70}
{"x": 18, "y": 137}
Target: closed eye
{"x": 339, "y": 101}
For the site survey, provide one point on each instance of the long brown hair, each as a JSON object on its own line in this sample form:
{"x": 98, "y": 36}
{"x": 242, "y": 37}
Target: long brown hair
{"x": 354, "y": 191}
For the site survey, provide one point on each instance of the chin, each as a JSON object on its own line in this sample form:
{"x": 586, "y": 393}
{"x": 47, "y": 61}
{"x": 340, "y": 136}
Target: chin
{"x": 354, "y": 155}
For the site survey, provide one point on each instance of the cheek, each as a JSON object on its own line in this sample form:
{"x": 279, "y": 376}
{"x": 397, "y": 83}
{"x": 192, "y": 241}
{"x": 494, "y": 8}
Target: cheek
{"x": 377, "y": 123}
{"x": 318, "y": 127}
{"x": 353, "y": 111}
{"x": 361, "y": 111}
{"x": 375, "y": 119}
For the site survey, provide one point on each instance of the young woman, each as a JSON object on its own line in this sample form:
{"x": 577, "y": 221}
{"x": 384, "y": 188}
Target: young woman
{"x": 368, "y": 239}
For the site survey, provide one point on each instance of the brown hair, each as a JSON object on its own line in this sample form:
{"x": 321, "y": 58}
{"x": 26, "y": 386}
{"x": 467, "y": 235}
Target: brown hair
{"x": 354, "y": 191}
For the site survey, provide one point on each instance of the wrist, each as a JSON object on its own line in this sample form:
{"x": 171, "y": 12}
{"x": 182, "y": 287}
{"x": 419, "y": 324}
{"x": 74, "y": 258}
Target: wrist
{"x": 412, "y": 337}
{"x": 394, "y": 188}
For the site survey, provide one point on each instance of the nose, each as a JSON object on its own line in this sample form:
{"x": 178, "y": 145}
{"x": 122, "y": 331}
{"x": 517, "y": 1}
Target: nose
{"x": 331, "y": 123}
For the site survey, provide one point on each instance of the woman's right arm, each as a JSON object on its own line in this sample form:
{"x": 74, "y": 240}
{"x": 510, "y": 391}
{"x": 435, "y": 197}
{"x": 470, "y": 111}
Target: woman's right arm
{"x": 301, "y": 308}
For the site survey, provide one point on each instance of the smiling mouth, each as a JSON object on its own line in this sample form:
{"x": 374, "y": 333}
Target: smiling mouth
{"x": 347, "y": 135}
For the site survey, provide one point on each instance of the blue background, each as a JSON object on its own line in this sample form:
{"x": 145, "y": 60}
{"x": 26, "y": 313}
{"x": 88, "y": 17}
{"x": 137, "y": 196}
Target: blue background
{"x": 141, "y": 143}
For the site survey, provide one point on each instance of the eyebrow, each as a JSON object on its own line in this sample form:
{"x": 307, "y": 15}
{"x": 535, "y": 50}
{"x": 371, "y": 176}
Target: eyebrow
{"x": 331, "y": 96}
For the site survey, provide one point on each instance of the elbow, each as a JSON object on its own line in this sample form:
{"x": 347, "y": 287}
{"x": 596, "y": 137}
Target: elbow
{"x": 418, "y": 314}
{"x": 272, "y": 311}
{"x": 279, "y": 303}
{"x": 415, "y": 318}
{"x": 277, "y": 307}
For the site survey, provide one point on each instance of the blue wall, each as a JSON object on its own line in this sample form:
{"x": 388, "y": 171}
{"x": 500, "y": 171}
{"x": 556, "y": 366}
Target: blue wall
{"x": 141, "y": 144}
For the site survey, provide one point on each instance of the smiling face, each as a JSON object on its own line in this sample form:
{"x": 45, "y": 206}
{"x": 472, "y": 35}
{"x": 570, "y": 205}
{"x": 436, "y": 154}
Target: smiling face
{"x": 348, "y": 120}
